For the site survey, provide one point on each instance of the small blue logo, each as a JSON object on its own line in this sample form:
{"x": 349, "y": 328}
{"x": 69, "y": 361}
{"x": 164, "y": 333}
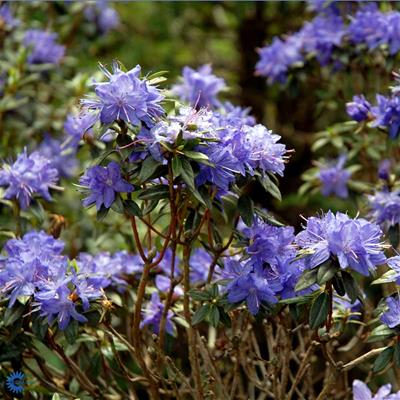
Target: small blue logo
{"x": 15, "y": 382}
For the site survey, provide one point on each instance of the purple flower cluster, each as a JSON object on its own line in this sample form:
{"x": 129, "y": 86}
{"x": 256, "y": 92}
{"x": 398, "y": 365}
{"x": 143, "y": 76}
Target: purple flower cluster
{"x": 153, "y": 313}
{"x": 359, "y": 109}
{"x": 34, "y": 266}
{"x": 372, "y": 28}
{"x": 385, "y": 207}
{"x": 369, "y": 28}
{"x": 318, "y": 37}
{"x": 126, "y": 97}
{"x": 271, "y": 270}
{"x": 103, "y": 183}
{"x": 30, "y": 175}
{"x": 334, "y": 178}
{"x": 105, "y": 17}
{"x": 199, "y": 88}
{"x": 356, "y": 243}
{"x": 386, "y": 114}
{"x": 6, "y": 17}
{"x": 76, "y": 125}
{"x": 43, "y": 47}
{"x": 362, "y": 392}
{"x": 391, "y": 317}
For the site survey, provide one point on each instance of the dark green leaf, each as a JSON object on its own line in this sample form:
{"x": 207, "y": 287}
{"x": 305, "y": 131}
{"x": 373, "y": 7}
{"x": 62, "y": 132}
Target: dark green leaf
{"x": 396, "y": 355}
{"x": 117, "y": 205}
{"x": 200, "y": 314}
{"x": 13, "y": 314}
{"x": 246, "y": 209}
{"x": 270, "y": 187}
{"x": 308, "y": 278}
{"x": 381, "y": 332}
{"x": 39, "y": 327}
{"x": 213, "y": 316}
{"x": 149, "y": 167}
{"x": 176, "y": 166}
{"x": 298, "y": 300}
{"x": 394, "y": 235}
{"x": 150, "y": 207}
{"x": 131, "y": 208}
{"x": 187, "y": 174}
{"x": 71, "y": 332}
{"x": 224, "y": 317}
{"x": 197, "y": 156}
{"x": 102, "y": 213}
{"x": 338, "y": 284}
{"x": 156, "y": 192}
{"x": 383, "y": 359}
{"x": 199, "y": 295}
{"x": 326, "y": 272}
{"x": 319, "y": 310}
{"x": 351, "y": 287}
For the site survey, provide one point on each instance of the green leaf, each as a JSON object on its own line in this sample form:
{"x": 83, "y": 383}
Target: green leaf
{"x": 270, "y": 187}
{"x": 213, "y": 316}
{"x": 246, "y": 209}
{"x": 131, "y": 208}
{"x": 396, "y": 355}
{"x": 383, "y": 359}
{"x": 197, "y": 156}
{"x": 102, "y": 213}
{"x": 319, "y": 310}
{"x": 298, "y": 300}
{"x": 156, "y": 192}
{"x": 326, "y": 272}
{"x": 56, "y": 396}
{"x": 381, "y": 332}
{"x": 13, "y": 314}
{"x": 176, "y": 166}
{"x": 187, "y": 174}
{"x": 200, "y": 314}
{"x": 224, "y": 317}
{"x": 117, "y": 205}
{"x": 149, "y": 167}
{"x": 394, "y": 235}
{"x": 308, "y": 278}
{"x": 387, "y": 277}
{"x": 351, "y": 287}
{"x": 338, "y": 284}
{"x": 71, "y": 332}
{"x": 200, "y": 295}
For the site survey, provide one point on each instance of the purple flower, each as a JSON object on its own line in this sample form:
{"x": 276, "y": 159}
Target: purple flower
{"x": 199, "y": 262}
{"x": 6, "y": 17}
{"x": 250, "y": 285}
{"x": 102, "y": 184}
{"x": 29, "y": 175}
{"x": 200, "y": 87}
{"x": 385, "y": 207}
{"x": 44, "y": 49}
{"x": 355, "y": 242}
{"x": 222, "y": 172}
{"x": 384, "y": 169}
{"x": 268, "y": 243}
{"x": 59, "y": 306}
{"x": 368, "y": 26}
{"x": 126, "y": 97}
{"x": 342, "y": 306}
{"x": 359, "y": 108}
{"x": 265, "y": 153}
{"x": 105, "y": 17}
{"x": 387, "y": 114}
{"x": 278, "y": 57}
{"x": 334, "y": 178}
{"x": 63, "y": 157}
{"x": 391, "y": 317}
{"x": 321, "y": 35}
{"x": 152, "y": 316}
{"x": 229, "y": 115}
{"x": 362, "y": 392}
{"x": 77, "y": 125}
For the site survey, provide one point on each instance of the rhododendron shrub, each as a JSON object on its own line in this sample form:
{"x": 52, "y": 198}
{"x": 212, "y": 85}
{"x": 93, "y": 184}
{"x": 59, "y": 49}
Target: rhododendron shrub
{"x": 137, "y": 260}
